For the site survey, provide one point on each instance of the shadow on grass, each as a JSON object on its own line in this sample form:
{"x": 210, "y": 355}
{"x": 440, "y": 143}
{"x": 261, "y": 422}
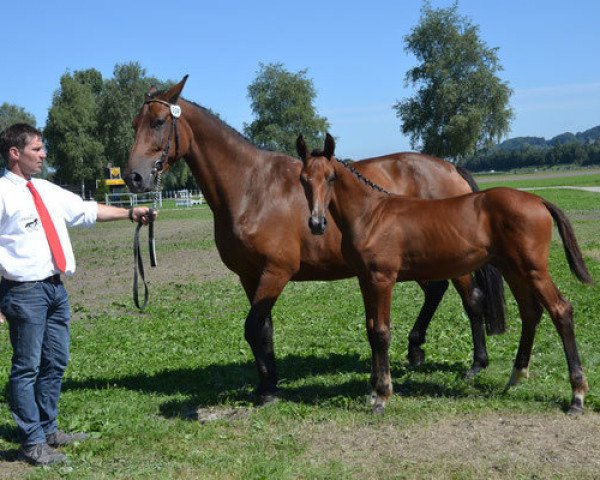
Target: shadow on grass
{"x": 216, "y": 384}
{"x": 9, "y": 433}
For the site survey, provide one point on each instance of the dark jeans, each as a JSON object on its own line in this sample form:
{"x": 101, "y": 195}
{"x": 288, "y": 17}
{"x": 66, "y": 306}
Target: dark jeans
{"x": 38, "y": 317}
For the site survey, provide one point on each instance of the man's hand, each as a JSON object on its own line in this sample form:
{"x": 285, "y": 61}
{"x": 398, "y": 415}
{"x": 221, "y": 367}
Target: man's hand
{"x": 143, "y": 214}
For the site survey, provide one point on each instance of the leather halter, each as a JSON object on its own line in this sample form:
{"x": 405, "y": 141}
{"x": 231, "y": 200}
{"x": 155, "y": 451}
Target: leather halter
{"x": 175, "y": 111}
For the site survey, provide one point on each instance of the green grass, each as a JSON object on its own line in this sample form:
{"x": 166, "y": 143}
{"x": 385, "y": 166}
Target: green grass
{"x": 134, "y": 377}
{"x": 489, "y": 181}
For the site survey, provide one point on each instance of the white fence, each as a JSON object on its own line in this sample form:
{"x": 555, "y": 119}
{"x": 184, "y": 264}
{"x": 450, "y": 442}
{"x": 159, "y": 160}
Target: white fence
{"x": 186, "y": 198}
{"x": 132, "y": 199}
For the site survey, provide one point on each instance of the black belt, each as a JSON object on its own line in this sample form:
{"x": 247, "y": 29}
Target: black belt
{"x": 54, "y": 279}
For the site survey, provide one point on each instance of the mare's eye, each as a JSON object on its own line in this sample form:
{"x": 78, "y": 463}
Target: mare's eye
{"x": 157, "y": 122}
{"x": 331, "y": 178}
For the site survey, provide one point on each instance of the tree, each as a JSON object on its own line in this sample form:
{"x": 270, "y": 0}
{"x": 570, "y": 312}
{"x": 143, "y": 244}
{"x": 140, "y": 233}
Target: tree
{"x": 11, "y": 114}
{"x": 120, "y": 101}
{"x": 461, "y": 104}
{"x": 71, "y": 131}
{"x": 282, "y": 103}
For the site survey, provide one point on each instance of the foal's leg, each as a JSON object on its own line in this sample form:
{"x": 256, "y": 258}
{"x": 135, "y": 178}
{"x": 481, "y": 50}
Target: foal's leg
{"x": 377, "y": 296}
{"x": 258, "y": 330}
{"x": 531, "y": 311}
{"x": 561, "y": 312}
{"x": 472, "y": 300}
{"x": 434, "y": 291}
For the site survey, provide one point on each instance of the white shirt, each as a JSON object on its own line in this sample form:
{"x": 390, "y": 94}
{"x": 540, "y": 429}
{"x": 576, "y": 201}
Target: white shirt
{"x": 24, "y": 251}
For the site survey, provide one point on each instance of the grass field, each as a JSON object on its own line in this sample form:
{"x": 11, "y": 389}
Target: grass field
{"x": 143, "y": 383}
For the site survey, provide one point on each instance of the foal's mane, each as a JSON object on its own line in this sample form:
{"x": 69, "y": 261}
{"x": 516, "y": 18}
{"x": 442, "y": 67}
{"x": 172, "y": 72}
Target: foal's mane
{"x": 356, "y": 173}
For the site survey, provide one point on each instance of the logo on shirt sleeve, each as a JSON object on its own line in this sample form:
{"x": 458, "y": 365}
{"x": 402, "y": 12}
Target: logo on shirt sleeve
{"x": 32, "y": 224}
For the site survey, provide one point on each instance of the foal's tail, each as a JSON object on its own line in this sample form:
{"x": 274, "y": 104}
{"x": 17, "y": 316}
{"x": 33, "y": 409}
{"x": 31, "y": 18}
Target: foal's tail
{"x": 489, "y": 281}
{"x": 572, "y": 251}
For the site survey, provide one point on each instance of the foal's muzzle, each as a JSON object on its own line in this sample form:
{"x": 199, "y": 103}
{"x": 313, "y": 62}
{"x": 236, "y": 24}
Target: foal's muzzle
{"x": 317, "y": 225}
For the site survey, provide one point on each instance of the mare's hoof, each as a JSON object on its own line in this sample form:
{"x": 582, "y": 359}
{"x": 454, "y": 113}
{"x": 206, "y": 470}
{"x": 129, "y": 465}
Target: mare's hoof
{"x": 473, "y": 372}
{"x": 263, "y": 399}
{"x": 416, "y": 356}
{"x": 378, "y": 409}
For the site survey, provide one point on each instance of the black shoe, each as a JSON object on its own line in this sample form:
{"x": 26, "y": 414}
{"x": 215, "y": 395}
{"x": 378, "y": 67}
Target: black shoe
{"x": 41, "y": 454}
{"x": 59, "y": 439}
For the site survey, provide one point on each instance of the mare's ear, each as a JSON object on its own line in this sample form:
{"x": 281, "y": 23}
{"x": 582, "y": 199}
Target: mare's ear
{"x": 172, "y": 95}
{"x": 329, "y": 149}
{"x": 150, "y": 93}
{"x": 301, "y": 148}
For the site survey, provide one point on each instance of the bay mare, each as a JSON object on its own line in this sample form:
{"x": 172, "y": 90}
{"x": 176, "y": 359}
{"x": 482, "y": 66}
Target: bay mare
{"x": 389, "y": 238}
{"x": 260, "y": 215}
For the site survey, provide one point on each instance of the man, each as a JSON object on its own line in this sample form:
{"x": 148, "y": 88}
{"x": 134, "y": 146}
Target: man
{"x": 35, "y": 249}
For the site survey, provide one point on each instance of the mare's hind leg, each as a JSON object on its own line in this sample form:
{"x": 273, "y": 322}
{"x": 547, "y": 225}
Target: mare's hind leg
{"x": 472, "y": 300}
{"x": 434, "y": 291}
{"x": 258, "y": 330}
{"x": 377, "y": 297}
{"x": 561, "y": 312}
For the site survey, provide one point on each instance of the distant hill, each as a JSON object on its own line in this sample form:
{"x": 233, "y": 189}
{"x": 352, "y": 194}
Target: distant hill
{"x": 518, "y": 143}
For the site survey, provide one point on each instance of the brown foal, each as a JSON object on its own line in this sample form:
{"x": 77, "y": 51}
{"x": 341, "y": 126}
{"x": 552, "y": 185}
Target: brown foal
{"x": 390, "y": 238}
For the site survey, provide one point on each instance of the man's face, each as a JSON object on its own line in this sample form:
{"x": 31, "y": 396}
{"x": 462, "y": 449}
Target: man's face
{"x": 29, "y": 161}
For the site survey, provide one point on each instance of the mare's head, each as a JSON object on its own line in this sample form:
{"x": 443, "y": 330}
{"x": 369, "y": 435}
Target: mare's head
{"x": 161, "y": 137}
{"x": 317, "y": 177}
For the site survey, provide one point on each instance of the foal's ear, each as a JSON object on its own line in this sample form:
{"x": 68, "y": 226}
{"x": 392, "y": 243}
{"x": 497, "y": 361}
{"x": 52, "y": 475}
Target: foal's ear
{"x": 329, "y": 149}
{"x": 172, "y": 95}
{"x": 301, "y": 148}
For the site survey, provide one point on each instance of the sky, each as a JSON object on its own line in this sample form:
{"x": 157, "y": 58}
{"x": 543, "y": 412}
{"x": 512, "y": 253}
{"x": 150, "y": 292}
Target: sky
{"x": 353, "y": 51}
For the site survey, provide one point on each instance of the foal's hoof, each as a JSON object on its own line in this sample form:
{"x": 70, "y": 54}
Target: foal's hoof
{"x": 576, "y": 407}
{"x": 575, "y": 411}
{"x": 416, "y": 356}
{"x": 378, "y": 409}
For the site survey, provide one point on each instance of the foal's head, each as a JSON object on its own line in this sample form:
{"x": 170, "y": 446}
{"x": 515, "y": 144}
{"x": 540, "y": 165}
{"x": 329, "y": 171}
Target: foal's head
{"x": 317, "y": 177}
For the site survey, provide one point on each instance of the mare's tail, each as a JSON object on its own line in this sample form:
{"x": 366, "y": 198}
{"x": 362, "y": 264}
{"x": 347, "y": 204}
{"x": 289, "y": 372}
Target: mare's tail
{"x": 490, "y": 282}
{"x": 572, "y": 251}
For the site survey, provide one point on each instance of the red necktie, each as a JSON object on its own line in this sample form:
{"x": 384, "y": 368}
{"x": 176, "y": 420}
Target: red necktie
{"x": 51, "y": 235}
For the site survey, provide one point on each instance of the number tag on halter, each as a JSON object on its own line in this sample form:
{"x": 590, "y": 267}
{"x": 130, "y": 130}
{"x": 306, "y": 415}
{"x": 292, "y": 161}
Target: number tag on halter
{"x": 175, "y": 111}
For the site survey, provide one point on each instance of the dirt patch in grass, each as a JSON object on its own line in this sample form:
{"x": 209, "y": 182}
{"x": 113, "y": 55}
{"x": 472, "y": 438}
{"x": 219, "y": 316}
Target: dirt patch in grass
{"x": 105, "y": 265}
{"x": 493, "y": 446}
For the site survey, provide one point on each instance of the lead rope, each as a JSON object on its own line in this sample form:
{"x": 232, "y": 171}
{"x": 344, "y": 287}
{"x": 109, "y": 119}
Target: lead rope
{"x": 138, "y": 263}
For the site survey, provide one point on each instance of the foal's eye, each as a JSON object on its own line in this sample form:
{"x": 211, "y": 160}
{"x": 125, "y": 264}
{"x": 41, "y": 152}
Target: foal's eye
{"x": 157, "y": 122}
{"x": 331, "y": 178}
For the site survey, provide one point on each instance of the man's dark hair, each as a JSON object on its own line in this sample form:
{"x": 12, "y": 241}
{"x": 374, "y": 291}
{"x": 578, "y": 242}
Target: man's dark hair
{"x": 17, "y": 135}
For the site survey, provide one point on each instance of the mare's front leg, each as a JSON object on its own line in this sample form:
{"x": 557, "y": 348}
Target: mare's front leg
{"x": 258, "y": 330}
{"x": 472, "y": 300}
{"x": 376, "y": 290}
{"x": 434, "y": 291}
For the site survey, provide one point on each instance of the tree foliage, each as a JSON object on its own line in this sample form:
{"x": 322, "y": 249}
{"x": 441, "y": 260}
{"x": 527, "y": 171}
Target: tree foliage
{"x": 282, "y": 103}
{"x": 11, "y": 114}
{"x": 572, "y": 153}
{"x": 460, "y": 104}
{"x": 72, "y": 128}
